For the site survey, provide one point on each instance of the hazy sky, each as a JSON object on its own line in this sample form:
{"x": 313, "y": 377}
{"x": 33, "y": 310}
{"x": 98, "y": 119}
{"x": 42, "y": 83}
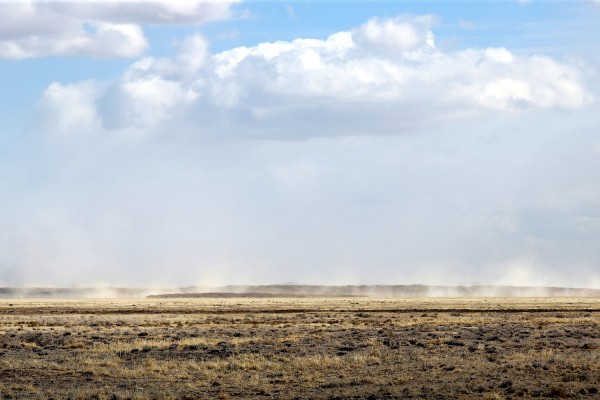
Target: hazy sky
{"x": 198, "y": 143}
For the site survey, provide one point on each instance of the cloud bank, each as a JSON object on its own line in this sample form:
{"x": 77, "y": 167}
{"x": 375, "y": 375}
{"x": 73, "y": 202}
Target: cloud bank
{"x": 385, "y": 77}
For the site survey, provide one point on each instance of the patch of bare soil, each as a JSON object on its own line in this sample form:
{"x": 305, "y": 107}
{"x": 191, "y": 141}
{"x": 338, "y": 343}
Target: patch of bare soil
{"x": 301, "y": 349}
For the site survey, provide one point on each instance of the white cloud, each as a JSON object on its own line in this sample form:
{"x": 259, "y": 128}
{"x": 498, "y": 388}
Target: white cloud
{"x": 144, "y": 103}
{"x": 98, "y": 39}
{"x": 394, "y": 35}
{"x": 500, "y": 55}
{"x": 37, "y": 28}
{"x": 193, "y": 53}
{"x": 70, "y": 109}
{"x": 384, "y": 77}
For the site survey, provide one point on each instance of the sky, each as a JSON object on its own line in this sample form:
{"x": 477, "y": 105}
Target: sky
{"x": 252, "y": 142}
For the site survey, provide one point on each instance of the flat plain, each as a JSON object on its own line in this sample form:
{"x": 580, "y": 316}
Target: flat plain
{"x": 300, "y": 348}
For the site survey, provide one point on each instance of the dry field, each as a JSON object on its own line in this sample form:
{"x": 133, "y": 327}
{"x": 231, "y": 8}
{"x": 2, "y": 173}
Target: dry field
{"x": 300, "y": 348}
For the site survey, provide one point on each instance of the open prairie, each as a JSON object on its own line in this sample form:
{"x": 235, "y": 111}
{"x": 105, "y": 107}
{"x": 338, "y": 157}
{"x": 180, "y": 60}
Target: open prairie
{"x": 292, "y": 348}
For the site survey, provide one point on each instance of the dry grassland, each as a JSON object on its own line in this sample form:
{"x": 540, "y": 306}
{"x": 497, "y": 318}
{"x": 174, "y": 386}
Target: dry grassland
{"x": 300, "y": 348}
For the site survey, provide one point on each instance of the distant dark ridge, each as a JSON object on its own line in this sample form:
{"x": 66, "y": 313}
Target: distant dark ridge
{"x": 229, "y": 295}
{"x": 395, "y": 291}
{"x": 293, "y": 290}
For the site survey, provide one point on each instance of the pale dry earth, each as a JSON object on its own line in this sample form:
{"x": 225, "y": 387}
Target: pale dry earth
{"x": 300, "y": 348}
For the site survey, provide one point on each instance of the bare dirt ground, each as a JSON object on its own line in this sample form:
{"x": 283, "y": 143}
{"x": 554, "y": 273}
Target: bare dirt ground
{"x": 337, "y": 348}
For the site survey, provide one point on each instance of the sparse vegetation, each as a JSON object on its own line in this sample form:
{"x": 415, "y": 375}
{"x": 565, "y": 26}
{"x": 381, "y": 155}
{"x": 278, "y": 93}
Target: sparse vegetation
{"x": 300, "y": 348}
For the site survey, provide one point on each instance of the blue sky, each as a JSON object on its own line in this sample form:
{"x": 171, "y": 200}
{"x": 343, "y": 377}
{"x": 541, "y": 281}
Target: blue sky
{"x": 319, "y": 142}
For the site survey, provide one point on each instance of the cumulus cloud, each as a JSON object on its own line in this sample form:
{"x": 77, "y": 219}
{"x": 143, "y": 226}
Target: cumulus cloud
{"x": 394, "y": 35}
{"x": 105, "y": 29}
{"x": 70, "y": 108}
{"x": 384, "y": 70}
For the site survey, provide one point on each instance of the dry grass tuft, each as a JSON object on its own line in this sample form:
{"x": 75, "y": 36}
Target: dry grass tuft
{"x": 309, "y": 348}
